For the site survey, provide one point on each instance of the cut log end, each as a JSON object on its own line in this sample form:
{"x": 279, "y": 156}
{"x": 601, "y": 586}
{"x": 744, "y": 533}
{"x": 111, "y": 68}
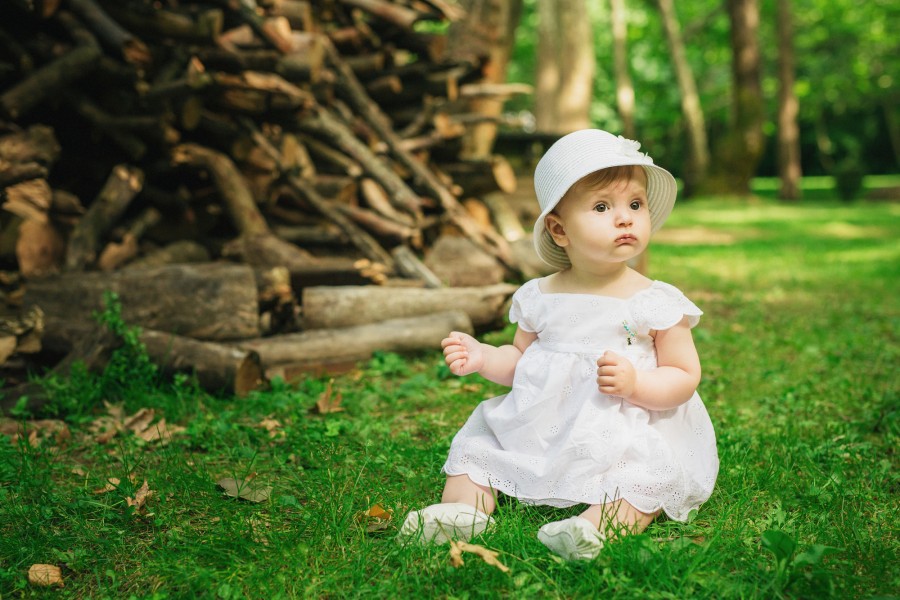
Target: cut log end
{"x": 249, "y": 376}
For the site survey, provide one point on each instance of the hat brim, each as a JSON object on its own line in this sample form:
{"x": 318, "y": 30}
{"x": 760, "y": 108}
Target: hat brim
{"x": 661, "y": 192}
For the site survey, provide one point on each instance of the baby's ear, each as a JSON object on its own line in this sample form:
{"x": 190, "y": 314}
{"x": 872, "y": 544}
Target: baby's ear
{"x": 557, "y": 229}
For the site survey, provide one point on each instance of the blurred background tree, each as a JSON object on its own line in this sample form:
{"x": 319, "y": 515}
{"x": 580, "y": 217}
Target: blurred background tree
{"x": 835, "y": 62}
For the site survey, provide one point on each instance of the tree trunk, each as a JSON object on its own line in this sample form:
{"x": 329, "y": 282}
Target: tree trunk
{"x": 740, "y": 151}
{"x": 489, "y": 30}
{"x": 624, "y": 87}
{"x": 697, "y": 161}
{"x": 788, "y": 107}
{"x": 565, "y": 77}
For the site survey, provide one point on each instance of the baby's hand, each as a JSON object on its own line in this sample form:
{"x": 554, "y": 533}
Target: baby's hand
{"x": 616, "y": 375}
{"x": 462, "y": 353}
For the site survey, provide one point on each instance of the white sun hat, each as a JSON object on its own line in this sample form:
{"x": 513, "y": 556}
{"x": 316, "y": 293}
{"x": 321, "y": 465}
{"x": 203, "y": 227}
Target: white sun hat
{"x": 581, "y": 153}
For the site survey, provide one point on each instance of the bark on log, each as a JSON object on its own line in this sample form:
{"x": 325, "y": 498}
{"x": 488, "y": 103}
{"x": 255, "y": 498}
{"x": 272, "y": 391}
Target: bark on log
{"x": 116, "y": 254}
{"x": 13, "y": 173}
{"x": 110, "y": 32}
{"x": 312, "y": 349}
{"x": 504, "y": 217}
{"x": 207, "y": 302}
{"x": 238, "y": 200}
{"x": 182, "y": 251}
{"x": 202, "y": 26}
{"x": 331, "y": 128}
{"x": 338, "y": 271}
{"x": 37, "y": 144}
{"x": 410, "y": 264}
{"x": 479, "y": 177}
{"x": 297, "y": 12}
{"x": 121, "y": 187}
{"x": 266, "y": 250}
{"x": 393, "y": 13}
{"x": 380, "y": 226}
{"x": 329, "y": 307}
{"x": 50, "y": 80}
{"x": 325, "y": 152}
{"x": 489, "y": 241}
{"x": 218, "y": 367}
{"x": 362, "y": 240}
{"x": 29, "y": 199}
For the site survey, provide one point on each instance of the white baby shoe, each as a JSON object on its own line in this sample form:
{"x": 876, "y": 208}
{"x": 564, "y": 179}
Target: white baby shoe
{"x": 575, "y": 538}
{"x": 440, "y": 523}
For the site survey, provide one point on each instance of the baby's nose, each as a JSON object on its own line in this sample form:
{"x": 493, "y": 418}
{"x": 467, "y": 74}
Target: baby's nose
{"x": 623, "y": 215}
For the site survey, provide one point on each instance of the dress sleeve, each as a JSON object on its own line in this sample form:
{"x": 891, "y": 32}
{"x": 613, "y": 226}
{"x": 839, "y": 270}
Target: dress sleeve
{"x": 522, "y": 309}
{"x": 661, "y": 307}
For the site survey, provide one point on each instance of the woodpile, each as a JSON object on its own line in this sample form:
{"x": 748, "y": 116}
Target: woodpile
{"x": 261, "y": 182}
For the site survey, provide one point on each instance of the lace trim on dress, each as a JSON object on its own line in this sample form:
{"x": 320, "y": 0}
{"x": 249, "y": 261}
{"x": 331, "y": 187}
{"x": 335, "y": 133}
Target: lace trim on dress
{"x": 662, "y": 306}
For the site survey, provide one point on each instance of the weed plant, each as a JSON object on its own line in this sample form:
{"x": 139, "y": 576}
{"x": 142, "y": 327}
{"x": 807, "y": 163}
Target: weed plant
{"x": 799, "y": 347}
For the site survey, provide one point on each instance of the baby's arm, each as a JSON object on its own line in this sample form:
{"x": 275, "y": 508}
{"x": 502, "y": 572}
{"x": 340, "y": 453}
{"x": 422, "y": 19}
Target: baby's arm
{"x": 671, "y": 384}
{"x": 464, "y": 355}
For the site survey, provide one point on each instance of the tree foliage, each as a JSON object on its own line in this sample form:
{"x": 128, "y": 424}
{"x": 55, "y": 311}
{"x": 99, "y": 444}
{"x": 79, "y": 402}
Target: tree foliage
{"x": 847, "y": 61}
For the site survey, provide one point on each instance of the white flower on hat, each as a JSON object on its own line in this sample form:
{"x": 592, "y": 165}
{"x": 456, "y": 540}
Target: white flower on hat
{"x": 630, "y": 148}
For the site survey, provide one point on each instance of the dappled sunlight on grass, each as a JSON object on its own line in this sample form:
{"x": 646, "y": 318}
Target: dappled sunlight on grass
{"x": 697, "y": 236}
{"x": 798, "y": 343}
{"x": 759, "y": 211}
{"x": 847, "y": 231}
{"x": 866, "y": 255}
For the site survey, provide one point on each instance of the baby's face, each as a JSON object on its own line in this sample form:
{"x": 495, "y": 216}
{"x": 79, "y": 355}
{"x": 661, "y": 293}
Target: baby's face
{"x": 605, "y": 224}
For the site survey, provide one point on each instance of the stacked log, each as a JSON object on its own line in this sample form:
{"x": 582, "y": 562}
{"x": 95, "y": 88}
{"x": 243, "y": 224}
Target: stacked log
{"x": 217, "y": 162}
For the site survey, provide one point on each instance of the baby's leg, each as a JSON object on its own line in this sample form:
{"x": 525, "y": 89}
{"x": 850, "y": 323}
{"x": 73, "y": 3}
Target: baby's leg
{"x": 459, "y": 488}
{"x": 582, "y": 537}
{"x": 464, "y": 512}
{"x": 618, "y": 518}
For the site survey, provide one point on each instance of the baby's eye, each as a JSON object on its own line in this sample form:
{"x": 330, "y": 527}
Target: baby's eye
{"x": 601, "y": 207}
{"x": 636, "y": 204}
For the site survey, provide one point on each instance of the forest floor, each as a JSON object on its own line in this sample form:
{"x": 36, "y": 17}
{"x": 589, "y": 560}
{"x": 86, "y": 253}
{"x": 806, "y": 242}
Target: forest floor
{"x": 297, "y": 492}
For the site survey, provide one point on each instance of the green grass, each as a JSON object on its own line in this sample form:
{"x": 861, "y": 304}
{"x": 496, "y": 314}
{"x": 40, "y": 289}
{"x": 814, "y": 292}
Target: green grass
{"x": 799, "y": 346}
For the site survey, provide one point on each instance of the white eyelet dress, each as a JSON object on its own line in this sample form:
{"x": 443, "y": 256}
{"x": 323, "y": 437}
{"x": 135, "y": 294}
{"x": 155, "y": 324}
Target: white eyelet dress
{"x": 555, "y": 439}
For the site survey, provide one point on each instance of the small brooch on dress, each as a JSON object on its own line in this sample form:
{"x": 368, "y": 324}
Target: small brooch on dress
{"x": 629, "y": 332}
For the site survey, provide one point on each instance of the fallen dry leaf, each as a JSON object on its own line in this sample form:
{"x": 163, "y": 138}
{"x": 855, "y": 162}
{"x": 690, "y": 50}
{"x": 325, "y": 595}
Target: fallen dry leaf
{"x": 45, "y": 575}
{"x": 38, "y": 430}
{"x": 488, "y": 556}
{"x": 241, "y": 488}
{"x": 140, "y": 424}
{"x": 376, "y": 518}
{"x": 140, "y": 420}
{"x": 140, "y": 497}
{"x": 116, "y": 411}
{"x": 106, "y": 429}
{"x": 329, "y": 402}
{"x": 258, "y": 527}
{"x": 160, "y": 432}
{"x": 273, "y": 426}
{"x": 112, "y": 483}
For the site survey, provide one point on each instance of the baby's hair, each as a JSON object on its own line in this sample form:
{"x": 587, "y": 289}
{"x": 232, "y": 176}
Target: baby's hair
{"x": 603, "y": 178}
